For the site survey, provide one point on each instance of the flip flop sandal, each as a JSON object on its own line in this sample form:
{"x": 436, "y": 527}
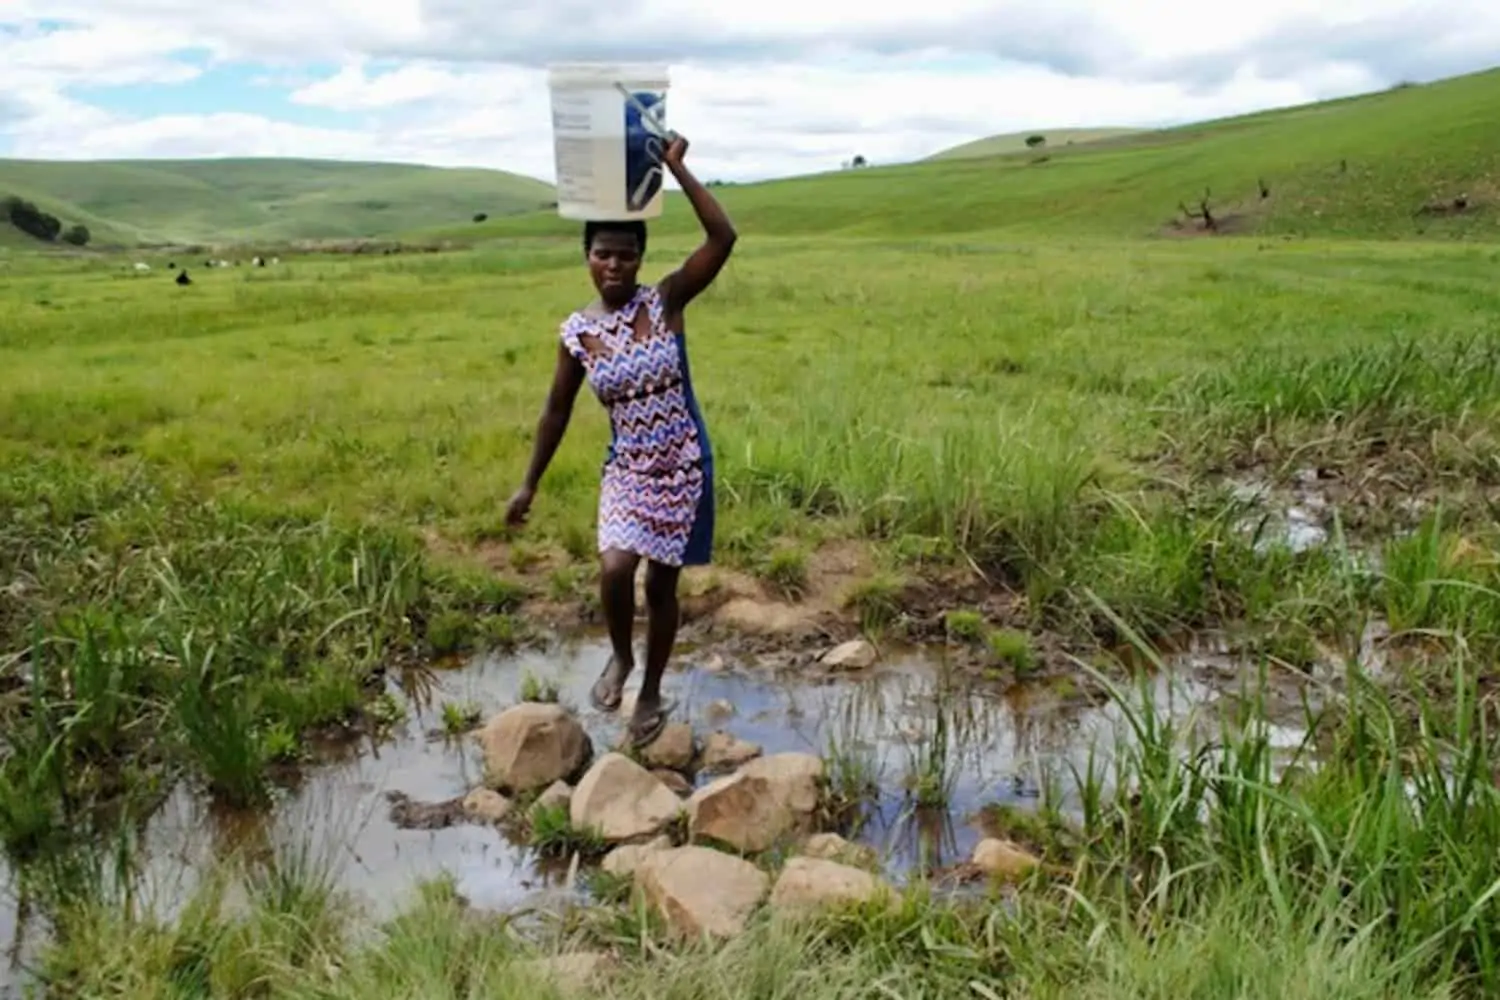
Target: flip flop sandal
{"x": 643, "y": 734}
{"x": 601, "y": 703}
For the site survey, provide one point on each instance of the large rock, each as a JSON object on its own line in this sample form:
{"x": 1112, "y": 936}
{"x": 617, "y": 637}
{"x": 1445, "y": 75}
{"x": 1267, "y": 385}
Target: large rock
{"x": 531, "y": 745}
{"x": 622, "y": 801}
{"x": 1004, "y": 859}
{"x": 832, "y": 847}
{"x": 486, "y": 805}
{"x": 810, "y": 884}
{"x": 674, "y": 780}
{"x": 723, "y": 752}
{"x": 759, "y": 805}
{"x": 559, "y": 795}
{"x": 796, "y": 777}
{"x": 856, "y": 654}
{"x": 673, "y": 750}
{"x": 699, "y": 891}
{"x": 625, "y": 859}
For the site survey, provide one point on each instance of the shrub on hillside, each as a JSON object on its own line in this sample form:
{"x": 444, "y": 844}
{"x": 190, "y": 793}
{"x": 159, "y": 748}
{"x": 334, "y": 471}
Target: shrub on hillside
{"x": 32, "y": 220}
{"x": 78, "y": 235}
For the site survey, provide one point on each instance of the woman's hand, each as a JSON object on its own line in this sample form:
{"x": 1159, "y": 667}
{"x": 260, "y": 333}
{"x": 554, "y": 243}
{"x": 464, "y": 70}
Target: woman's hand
{"x": 519, "y": 507}
{"x": 677, "y": 147}
{"x": 703, "y": 265}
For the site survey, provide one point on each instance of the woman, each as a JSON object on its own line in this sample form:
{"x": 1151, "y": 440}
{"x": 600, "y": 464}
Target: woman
{"x": 656, "y": 499}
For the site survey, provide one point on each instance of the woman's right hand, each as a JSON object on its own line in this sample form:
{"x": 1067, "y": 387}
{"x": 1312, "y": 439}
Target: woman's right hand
{"x": 519, "y": 507}
{"x": 677, "y": 147}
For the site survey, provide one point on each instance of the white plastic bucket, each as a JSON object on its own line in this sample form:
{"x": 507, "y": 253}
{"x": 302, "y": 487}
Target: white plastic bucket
{"x": 606, "y": 152}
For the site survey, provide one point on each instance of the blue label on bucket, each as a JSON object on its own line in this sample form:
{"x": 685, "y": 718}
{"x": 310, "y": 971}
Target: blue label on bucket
{"x": 644, "y": 147}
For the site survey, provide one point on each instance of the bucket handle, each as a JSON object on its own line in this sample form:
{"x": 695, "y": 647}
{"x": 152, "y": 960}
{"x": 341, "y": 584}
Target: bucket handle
{"x": 648, "y": 117}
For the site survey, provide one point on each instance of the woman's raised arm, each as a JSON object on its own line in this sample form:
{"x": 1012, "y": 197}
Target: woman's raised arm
{"x": 703, "y": 264}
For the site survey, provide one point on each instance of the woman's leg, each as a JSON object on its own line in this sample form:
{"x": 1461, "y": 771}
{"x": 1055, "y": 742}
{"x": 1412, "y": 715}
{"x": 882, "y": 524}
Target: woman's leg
{"x": 661, "y": 635}
{"x": 617, "y": 596}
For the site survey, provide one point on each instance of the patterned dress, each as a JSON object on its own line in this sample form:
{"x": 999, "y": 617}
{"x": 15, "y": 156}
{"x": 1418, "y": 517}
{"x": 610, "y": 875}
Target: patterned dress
{"x": 657, "y": 497}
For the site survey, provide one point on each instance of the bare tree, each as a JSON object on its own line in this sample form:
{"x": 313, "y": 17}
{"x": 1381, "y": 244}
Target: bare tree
{"x": 1204, "y": 212}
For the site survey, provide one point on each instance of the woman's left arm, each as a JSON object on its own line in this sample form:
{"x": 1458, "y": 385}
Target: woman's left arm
{"x": 703, "y": 264}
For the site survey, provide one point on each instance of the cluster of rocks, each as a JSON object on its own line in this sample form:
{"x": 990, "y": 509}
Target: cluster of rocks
{"x": 687, "y": 849}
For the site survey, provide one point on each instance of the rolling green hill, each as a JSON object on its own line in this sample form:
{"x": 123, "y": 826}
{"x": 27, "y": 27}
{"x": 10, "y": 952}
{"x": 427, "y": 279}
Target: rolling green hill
{"x": 1356, "y": 167}
{"x": 1359, "y": 167}
{"x": 207, "y": 201}
{"x": 1015, "y": 142}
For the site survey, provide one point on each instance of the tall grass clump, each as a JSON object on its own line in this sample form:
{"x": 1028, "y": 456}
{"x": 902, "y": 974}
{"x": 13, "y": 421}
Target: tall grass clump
{"x": 1170, "y": 561}
{"x": 1377, "y": 825}
{"x": 1433, "y": 396}
{"x": 268, "y": 925}
{"x": 1440, "y": 582}
{"x": 855, "y": 768}
{"x": 932, "y": 756}
{"x": 1010, "y": 497}
{"x": 147, "y": 634}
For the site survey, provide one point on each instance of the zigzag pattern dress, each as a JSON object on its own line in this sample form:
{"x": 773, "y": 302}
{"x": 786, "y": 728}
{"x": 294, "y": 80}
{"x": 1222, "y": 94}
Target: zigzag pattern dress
{"x": 656, "y": 498}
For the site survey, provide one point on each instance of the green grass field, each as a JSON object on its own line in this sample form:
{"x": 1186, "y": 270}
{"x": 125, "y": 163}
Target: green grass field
{"x": 266, "y": 201}
{"x": 1357, "y": 168}
{"x": 226, "y": 509}
{"x": 1015, "y": 142}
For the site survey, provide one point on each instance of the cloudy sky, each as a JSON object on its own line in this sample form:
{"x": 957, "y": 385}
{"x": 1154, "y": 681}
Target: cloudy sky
{"x": 763, "y": 88}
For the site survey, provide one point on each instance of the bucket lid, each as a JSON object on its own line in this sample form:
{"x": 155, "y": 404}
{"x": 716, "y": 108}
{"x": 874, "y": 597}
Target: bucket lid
{"x": 646, "y": 76}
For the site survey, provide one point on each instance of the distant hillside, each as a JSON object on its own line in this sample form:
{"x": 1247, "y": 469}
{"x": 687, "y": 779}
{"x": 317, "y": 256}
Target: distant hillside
{"x": 1386, "y": 165}
{"x": 1015, "y": 142}
{"x": 206, "y": 201}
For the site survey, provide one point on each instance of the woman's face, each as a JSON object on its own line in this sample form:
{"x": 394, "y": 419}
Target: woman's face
{"x": 614, "y": 259}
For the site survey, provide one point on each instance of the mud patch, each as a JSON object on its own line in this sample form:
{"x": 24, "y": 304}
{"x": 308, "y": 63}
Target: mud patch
{"x": 1303, "y": 509}
{"x": 1296, "y": 517}
{"x": 752, "y": 606}
{"x": 763, "y": 617}
{"x": 407, "y": 813}
{"x": 1459, "y": 204}
{"x": 738, "y": 613}
{"x": 1228, "y": 224}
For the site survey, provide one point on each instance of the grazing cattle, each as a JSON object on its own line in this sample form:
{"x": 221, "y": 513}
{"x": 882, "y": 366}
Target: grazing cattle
{"x": 141, "y": 265}
{"x": 183, "y": 279}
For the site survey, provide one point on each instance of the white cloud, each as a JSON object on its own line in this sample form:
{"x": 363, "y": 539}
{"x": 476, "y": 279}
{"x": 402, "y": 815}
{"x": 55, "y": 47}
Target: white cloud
{"x": 353, "y": 89}
{"x": 104, "y": 54}
{"x": 766, "y": 88}
{"x": 171, "y": 136}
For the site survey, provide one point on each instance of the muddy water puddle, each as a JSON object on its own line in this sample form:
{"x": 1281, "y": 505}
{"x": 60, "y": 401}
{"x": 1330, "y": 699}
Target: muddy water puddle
{"x": 893, "y": 722}
{"x": 898, "y": 722}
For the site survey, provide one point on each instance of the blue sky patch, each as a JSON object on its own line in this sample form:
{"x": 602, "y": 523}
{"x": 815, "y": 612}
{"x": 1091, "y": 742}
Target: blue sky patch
{"x": 225, "y": 88}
